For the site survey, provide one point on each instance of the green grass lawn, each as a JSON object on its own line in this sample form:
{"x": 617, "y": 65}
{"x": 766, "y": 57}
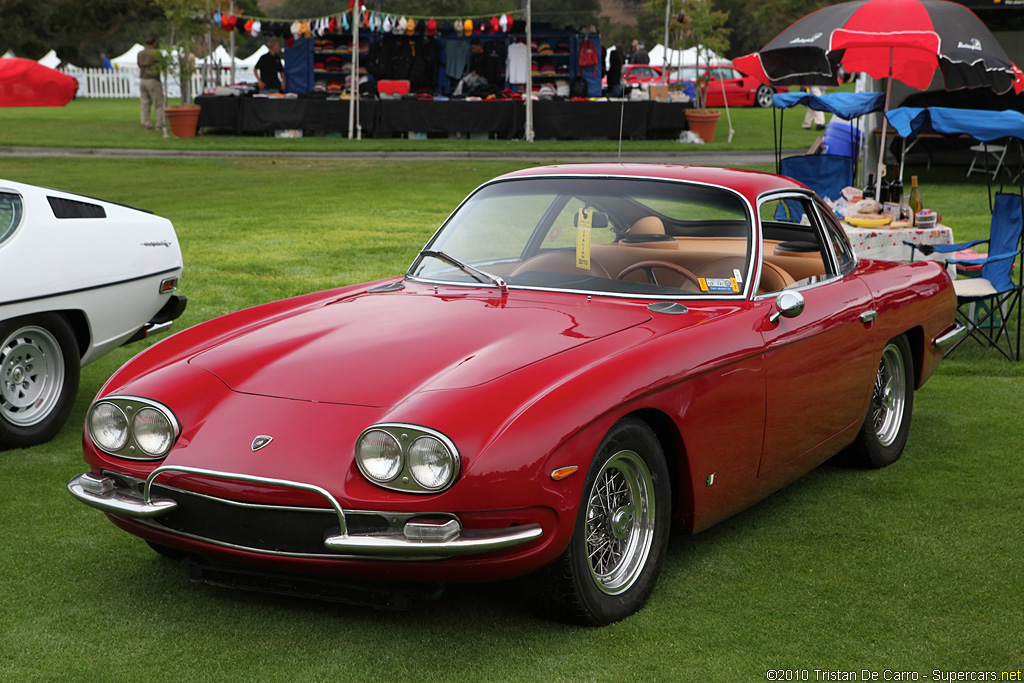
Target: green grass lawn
{"x": 913, "y": 568}
{"x": 115, "y": 123}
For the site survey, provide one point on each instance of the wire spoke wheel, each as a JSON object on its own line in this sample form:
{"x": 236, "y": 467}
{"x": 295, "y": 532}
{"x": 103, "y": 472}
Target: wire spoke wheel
{"x": 889, "y": 395}
{"x": 31, "y": 375}
{"x": 620, "y": 518}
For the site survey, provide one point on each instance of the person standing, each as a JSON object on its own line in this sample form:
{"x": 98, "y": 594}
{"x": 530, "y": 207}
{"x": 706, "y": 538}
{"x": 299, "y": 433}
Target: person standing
{"x": 151, "y": 91}
{"x": 269, "y": 70}
{"x": 615, "y": 72}
{"x": 813, "y": 116}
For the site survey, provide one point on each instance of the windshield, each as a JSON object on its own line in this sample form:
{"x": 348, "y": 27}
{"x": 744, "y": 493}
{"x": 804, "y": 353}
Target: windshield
{"x": 604, "y": 235}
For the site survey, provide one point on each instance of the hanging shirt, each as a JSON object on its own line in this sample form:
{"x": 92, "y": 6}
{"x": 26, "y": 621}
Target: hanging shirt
{"x": 517, "y": 63}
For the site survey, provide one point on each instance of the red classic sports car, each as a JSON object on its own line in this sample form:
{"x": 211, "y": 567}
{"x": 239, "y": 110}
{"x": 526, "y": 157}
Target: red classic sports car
{"x": 581, "y": 356}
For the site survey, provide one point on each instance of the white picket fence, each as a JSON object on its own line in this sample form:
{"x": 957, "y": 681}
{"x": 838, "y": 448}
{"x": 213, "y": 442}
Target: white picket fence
{"x": 124, "y": 83}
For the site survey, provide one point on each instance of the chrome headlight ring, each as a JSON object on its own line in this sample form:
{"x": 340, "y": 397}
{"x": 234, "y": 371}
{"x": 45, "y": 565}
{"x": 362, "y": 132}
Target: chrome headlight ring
{"x": 407, "y": 458}
{"x": 132, "y": 427}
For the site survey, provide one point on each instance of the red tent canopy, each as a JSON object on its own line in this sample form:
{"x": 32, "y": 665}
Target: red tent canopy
{"x": 24, "y": 83}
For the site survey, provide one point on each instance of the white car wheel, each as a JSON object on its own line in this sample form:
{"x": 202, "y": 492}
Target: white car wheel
{"x": 39, "y": 369}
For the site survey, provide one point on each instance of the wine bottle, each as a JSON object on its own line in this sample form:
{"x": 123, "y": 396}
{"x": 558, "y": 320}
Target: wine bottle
{"x": 914, "y": 202}
{"x": 896, "y": 197}
{"x": 869, "y": 191}
{"x": 884, "y": 192}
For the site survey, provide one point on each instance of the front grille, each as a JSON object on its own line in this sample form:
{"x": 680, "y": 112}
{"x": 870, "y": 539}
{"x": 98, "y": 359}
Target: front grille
{"x": 260, "y": 527}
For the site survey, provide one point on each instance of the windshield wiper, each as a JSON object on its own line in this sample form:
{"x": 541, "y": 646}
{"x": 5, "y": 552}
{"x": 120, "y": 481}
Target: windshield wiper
{"x": 475, "y": 272}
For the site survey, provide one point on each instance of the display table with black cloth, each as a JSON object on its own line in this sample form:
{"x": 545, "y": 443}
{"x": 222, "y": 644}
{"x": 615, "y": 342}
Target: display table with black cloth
{"x": 503, "y": 119}
{"x": 221, "y": 113}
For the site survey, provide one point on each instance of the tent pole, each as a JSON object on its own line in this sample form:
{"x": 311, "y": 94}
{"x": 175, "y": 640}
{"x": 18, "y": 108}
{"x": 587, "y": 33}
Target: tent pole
{"x": 528, "y": 133}
{"x": 232, "y": 43}
{"x": 885, "y": 121}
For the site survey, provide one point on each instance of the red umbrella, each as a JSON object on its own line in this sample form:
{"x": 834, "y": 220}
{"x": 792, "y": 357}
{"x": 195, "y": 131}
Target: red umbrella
{"x": 25, "y": 83}
{"x": 903, "y": 39}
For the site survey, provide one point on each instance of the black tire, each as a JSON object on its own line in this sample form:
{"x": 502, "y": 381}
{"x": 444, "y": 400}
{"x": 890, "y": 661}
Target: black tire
{"x": 763, "y": 97}
{"x": 615, "y": 555}
{"x": 39, "y": 371}
{"x": 884, "y": 432}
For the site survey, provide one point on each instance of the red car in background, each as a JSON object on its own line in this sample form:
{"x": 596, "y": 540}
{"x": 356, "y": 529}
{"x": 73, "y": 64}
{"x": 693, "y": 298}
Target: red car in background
{"x": 728, "y": 84}
{"x": 637, "y": 74}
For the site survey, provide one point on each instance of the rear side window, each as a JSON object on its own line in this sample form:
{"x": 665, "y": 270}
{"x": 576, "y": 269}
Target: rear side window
{"x": 71, "y": 208}
{"x": 10, "y": 214}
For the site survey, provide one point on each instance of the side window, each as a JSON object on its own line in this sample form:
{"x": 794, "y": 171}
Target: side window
{"x": 10, "y": 214}
{"x": 795, "y": 252}
{"x": 838, "y": 240}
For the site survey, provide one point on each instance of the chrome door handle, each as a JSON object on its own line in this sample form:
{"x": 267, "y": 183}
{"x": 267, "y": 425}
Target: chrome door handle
{"x": 868, "y": 316}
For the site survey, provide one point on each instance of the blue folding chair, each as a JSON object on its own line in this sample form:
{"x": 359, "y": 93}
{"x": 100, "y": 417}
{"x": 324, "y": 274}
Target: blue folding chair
{"x": 985, "y": 304}
{"x": 826, "y": 174}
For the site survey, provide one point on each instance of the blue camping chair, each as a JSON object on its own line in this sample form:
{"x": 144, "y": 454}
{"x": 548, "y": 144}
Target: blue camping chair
{"x": 826, "y": 174}
{"x": 986, "y": 303}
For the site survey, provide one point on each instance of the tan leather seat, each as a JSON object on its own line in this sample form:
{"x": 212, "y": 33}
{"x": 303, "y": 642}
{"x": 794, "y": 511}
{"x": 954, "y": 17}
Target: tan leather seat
{"x": 559, "y": 262}
{"x": 648, "y": 225}
{"x": 773, "y": 278}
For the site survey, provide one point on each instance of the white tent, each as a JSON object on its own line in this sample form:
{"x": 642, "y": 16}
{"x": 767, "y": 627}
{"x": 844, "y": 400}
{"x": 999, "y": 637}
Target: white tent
{"x": 130, "y": 59}
{"x": 250, "y": 61}
{"x": 9, "y": 54}
{"x": 688, "y": 57}
{"x": 50, "y": 59}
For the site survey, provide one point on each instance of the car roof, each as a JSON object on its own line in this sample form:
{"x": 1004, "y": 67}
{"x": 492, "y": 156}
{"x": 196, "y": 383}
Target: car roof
{"x": 750, "y": 183}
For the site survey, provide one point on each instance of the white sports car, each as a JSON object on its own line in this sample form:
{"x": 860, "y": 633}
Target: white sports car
{"x": 78, "y": 278}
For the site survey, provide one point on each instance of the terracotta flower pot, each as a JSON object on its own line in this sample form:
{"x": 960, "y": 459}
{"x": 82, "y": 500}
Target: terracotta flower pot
{"x": 703, "y": 122}
{"x": 183, "y": 121}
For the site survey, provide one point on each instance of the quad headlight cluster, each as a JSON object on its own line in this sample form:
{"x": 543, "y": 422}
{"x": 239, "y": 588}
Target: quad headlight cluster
{"x": 132, "y": 427}
{"x": 407, "y": 458}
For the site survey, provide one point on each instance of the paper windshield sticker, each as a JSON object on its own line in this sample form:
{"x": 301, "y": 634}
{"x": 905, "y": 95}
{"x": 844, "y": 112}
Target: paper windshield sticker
{"x": 718, "y": 284}
{"x": 584, "y": 219}
{"x": 737, "y": 274}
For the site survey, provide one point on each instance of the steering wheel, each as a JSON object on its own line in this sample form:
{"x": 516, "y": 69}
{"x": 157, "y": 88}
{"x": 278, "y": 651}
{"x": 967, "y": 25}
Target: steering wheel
{"x": 649, "y": 267}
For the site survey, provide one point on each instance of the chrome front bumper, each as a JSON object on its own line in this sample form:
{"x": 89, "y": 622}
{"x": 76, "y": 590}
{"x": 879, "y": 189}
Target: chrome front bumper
{"x": 409, "y": 536}
{"x": 949, "y": 336}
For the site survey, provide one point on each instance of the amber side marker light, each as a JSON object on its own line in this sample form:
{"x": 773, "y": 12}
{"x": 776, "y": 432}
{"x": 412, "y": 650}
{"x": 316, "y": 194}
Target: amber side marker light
{"x": 563, "y": 472}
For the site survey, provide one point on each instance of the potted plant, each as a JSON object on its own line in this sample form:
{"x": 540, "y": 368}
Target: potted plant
{"x": 187, "y": 21}
{"x": 703, "y": 28}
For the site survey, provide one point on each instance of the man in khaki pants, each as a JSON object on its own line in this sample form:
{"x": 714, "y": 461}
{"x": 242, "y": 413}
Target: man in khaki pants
{"x": 151, "y": 92}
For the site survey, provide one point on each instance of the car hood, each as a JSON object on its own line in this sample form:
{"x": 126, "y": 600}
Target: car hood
{"x": 378, "y": 349}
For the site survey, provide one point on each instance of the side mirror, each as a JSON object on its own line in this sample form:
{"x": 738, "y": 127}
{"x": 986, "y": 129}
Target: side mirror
{"x": 789, "y": 304}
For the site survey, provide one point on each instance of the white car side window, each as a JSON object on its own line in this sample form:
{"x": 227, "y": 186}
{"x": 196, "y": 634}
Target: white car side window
{"x": 10, "y": 214}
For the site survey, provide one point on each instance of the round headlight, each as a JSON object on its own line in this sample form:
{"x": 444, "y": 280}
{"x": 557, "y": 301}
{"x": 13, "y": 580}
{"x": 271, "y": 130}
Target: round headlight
{"x": 153, "y": 432}
{"x": 431, "y": 464}
{"x": 379, "y": 455}
{"x": 108, "y": 426}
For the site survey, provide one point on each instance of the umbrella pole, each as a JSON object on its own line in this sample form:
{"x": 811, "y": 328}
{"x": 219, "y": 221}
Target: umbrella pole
{"x": 885, "y": 121}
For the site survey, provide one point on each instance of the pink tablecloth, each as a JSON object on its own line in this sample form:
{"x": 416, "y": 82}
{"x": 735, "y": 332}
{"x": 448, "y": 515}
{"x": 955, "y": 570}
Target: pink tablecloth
{"x": 887, "y": 244}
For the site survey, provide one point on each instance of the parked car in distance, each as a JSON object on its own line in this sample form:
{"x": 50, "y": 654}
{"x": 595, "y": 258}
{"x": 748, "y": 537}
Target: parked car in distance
{"x": 637, "y": 74}
{"x": 727, "y": 84}
{"x": 78, "y": 278}
{"x": 580, "y": 357}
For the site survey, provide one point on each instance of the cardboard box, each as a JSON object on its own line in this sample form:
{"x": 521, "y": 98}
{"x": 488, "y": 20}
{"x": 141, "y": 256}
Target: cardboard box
{"x": 658, "y": 92}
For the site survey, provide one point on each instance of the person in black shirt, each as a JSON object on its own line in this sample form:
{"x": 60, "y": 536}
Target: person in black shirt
{"x": 269, "y": 70}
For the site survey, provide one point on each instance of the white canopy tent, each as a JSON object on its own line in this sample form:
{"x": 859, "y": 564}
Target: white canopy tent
{"x": 660, "y": 56}
{"x": 130, "y": 59}
{"x": 50, "y": 59}
{"x": 250, "y": 61}
{"x": 9, "y": 54}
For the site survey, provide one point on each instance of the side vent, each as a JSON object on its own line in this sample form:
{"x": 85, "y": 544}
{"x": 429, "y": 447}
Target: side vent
{"x": 70, "y": 208}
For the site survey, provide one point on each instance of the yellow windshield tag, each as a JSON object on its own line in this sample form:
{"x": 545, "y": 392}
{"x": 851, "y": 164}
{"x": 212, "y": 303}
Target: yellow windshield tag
{"x": 718, "y": 284}
{"x": 584, "y": 222}
{"x": 585, "y": 218}
{"x": 583, "y": 248}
